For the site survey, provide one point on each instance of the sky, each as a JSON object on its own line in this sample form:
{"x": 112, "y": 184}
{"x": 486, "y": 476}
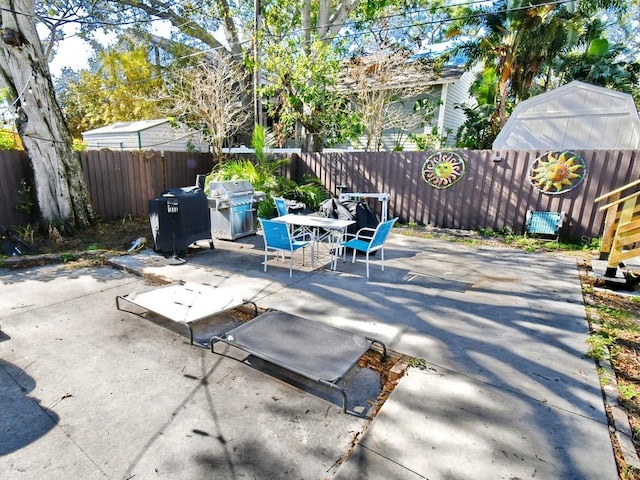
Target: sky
{"x": 74, "y": 53}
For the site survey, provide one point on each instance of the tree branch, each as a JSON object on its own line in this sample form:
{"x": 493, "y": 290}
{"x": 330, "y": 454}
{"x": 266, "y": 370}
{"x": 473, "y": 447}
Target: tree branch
{"x": 184, "y": 24}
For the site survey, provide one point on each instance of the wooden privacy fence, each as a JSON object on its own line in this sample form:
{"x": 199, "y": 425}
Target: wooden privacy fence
{"x": 490, "y": 195}
{"x": 14, "y": 169}
{"x": 493, "y": 193}
{"x": 120, "y": 183}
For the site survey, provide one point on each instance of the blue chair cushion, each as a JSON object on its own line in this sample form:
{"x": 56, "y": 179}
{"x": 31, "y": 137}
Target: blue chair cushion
{"x": 357, "y": 244}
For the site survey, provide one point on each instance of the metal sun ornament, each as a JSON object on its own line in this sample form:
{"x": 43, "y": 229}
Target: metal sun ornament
{"x": 557, "y": 172}
{"x": 443, "y": 169}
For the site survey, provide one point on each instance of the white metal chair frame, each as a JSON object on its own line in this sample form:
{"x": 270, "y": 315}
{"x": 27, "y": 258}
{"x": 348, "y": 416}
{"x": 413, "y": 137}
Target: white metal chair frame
{"x": 281, "y": 206}
{"x": 361, "y": 242}
{"x": 277, "y": 237}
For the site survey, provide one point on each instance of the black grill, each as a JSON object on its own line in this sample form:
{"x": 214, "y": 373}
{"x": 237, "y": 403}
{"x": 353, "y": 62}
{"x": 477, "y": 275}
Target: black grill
{"x": 179, "y": 217}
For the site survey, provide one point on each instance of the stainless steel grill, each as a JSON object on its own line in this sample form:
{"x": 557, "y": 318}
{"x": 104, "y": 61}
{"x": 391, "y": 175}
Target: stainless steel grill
{"x": 233, "y": 209}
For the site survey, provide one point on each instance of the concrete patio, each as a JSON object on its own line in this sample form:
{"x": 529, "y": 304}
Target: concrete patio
{"x": 504, "y": 391}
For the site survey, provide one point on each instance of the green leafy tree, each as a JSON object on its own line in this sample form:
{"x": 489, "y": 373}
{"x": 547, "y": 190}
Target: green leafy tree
{"x": 10, "y": 140}
{"x": 476, "y": 132}
{"x": 300, "y": 85}
{"x": 522, "y": 42}
{"x": 603, "y": 67}
{"x": 123, "y": 85}
{"x": 515, "y": 42}
{"x": 479, "y": 129}
{"x": 600, "y": 61}
{"x": 287, "y": 32}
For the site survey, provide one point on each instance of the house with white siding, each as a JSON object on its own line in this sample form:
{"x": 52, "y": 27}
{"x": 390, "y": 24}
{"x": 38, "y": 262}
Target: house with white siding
{"x": 158, "y": 135}
{"x": 443, "y": 88}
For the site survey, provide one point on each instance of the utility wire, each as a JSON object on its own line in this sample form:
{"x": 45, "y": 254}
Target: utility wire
{"x": 437, "y": 21}
{"x": 82, "y": 21}
{"x": 335, "y": 37}
{"x": 19, "y": 97}
{"x": 299, "y": 31}
{"x": 360, "y": 34}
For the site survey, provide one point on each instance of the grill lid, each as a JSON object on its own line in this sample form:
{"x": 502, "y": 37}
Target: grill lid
{"x": 233, "y": 193}
{"x": 231, "y": 189}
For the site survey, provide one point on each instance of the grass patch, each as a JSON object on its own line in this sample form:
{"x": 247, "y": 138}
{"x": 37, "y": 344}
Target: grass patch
{"x": 488, "y": 236}
{"x": 615, "y": 337}
{"x": 600, "y": 345}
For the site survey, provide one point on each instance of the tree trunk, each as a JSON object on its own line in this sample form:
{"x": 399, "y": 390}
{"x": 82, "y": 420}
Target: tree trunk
{"x": 311, "y": 142}
{"x": 324, "y": 8}
{"x": 502, "y": 101}
{"x": 306, "y": 25}
{"x": 60, "y": 187}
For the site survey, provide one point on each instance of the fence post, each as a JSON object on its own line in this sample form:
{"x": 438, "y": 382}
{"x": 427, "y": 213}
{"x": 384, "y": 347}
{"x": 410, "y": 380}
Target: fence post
{"x": 293, "y": 167}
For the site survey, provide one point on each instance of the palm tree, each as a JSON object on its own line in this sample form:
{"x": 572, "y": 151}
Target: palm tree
{"x": 521, "y": 42}
{"x": 601, "y": 62}
{"x": 264, "y": 173}
{"x": 516, "y": 41}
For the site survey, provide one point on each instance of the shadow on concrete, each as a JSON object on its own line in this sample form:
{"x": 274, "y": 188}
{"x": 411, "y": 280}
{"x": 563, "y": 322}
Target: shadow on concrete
{"x": 504, "y": 320}
{"x": 3, "y": 336}
{"x": 58, "y": 272}
{"x": 362, "y": 385}
{"x": 22, "y": 419}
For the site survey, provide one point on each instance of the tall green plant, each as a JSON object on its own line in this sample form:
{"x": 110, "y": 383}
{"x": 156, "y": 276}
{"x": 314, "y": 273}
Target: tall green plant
{"x": 264, "y": 173}
{"x": 301, "y": 90}
{"x": 261, "y": 142}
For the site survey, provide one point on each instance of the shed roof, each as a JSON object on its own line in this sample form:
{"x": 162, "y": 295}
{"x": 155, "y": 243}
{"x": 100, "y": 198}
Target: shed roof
{"x": 577, "y": 115}
{"x": 158, "y": 134}
{"x": 127, "y": 127}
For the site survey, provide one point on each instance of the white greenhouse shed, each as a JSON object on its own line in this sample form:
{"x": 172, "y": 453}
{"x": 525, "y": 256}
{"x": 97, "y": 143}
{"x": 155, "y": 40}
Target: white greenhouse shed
{"x": 158, "y": 135}
{"x": 577, "y": 115}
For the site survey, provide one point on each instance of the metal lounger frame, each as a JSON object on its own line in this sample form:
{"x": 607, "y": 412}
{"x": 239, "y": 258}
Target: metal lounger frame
{"x": 299, "y": 340}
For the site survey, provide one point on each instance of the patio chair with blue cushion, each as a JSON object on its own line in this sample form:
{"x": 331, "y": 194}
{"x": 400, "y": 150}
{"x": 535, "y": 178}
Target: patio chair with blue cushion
{"x": 281, "y": 206}
{"x": 277, "y": 237}
{"x": 544, "y": 223}
{"x": 369, "y": 240}
{"x": 283, "y": 209}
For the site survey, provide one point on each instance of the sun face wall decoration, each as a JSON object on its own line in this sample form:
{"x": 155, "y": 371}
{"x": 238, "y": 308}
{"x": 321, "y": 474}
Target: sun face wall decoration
{"x": 557, "y": 172}
{"x": 443, "y": 169}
